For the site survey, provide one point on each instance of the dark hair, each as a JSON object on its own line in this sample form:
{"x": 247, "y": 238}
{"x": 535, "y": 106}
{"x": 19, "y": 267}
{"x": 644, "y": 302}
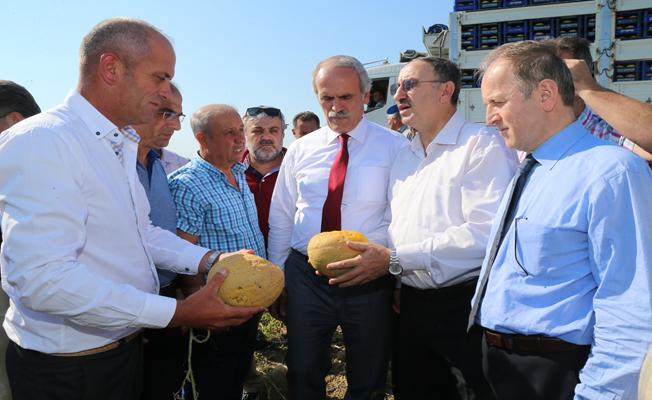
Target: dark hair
{"x": 446, "y": 71}
{"x": 531, "y": 62}
{"x": 578, "y": 47}
{"x": 305, "y": 116}
{"x": 16, "y": 98}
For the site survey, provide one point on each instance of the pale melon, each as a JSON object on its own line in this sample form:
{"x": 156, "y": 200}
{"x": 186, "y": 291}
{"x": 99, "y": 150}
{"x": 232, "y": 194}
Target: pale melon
{"x": 327, "y": 247}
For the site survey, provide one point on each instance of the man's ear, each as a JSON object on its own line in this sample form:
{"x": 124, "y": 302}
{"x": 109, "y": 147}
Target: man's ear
{"x": 548, "y": 94}
{"x": 111, "y": 69}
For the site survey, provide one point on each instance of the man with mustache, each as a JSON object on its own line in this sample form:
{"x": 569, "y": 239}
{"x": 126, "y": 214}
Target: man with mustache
{"x": 335, "y": 178}
{"x": 264, "y": 130}
{"x": 216, "y": 208}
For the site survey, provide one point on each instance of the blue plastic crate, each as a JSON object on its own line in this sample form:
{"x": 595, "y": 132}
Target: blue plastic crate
{"x": 627, "y": 70}
{"x": 537, "y": 2}
{"x": 570, "y": 26}
{"x": 542, "y": 29}
{"x": 489, "y": 4}
{"x": 629, "y": 25}
{"x": 465, "y": 5}
{"x": 589, "y": 27}
{"x": 515, "y": 3}
{"x": 646, "y": 73}
{"x": 648, "y": 23}
{"x": 515, "y": 31}
{"x": 469, "y": 37}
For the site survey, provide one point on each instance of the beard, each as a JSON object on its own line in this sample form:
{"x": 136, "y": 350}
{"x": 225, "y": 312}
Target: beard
{"x": 266, "y": 154}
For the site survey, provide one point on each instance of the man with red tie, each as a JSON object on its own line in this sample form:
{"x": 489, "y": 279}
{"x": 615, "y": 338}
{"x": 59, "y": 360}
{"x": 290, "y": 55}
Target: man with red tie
{"x": 335, "y": 178}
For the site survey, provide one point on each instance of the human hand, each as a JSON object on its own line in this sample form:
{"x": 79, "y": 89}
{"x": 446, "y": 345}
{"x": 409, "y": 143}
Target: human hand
{"x": 582, "y": 78}
{"x": 203, "y": 309}
{"x": 371, "y": 264}
{"x": 279, "y": 307}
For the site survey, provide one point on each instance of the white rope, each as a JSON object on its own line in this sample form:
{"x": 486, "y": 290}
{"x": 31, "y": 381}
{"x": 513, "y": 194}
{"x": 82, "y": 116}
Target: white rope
{"x": 190, "y": 376}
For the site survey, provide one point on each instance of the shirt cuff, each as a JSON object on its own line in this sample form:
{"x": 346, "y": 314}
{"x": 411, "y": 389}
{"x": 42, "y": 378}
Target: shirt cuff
{"x": 410, "y": 256}
{"x": 190, "y": 258}
{"x": 158, "y": 311}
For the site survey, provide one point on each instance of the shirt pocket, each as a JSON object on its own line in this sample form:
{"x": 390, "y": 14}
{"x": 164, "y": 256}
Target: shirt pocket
{"x": 370, "y": 184}
{"x": 540, "y": 249}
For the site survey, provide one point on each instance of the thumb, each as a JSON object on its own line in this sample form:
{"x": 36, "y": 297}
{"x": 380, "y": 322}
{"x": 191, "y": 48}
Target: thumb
{"x": 360, "y": 246}
{"x": 216, "y": 281}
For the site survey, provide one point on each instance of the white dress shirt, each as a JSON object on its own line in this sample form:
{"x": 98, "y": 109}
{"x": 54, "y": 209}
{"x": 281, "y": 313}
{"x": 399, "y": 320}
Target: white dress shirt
{"x": 443, "y": 202}
{"x": 302, "y": 185}
{"x": 172, "y": 161}
{"x": 79, "y": 250}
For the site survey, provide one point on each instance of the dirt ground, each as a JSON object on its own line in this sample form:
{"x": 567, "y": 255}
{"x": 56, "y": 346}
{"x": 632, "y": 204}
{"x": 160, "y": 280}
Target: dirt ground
{"x": 270, "y": 369}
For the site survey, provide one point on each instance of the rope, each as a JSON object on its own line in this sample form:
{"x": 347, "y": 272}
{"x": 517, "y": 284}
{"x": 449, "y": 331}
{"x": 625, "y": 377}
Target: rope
{"x": 190, "y": 376}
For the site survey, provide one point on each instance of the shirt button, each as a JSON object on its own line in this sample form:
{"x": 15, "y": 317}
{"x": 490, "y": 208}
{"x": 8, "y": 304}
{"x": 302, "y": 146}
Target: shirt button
{"x": 97, "y": 133}
{"x": 115, "y": 135}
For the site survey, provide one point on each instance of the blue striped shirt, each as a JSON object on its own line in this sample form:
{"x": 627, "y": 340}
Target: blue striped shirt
{"x": 209, "y": 207}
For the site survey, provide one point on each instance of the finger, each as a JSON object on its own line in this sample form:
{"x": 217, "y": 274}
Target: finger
{"x": 344, "y": 277}
{"x": 350, "y": 263}
{"x": 216, "y": 281}
{"x": 359, "y": 280}
{"x": 360, "y": 246}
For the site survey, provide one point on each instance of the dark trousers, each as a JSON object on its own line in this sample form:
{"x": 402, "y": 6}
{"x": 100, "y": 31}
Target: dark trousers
{"x": 221, "y": 364}
{"x": 437, "y": 358}
{"x": 315, "y": 309}
{"x": 164, "y": 359}
{"x": 533, "y": 376}
{"x": 111, "y": 375}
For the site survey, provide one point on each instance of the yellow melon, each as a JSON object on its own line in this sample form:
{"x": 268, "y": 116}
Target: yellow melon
{"x": 252, "y": 280}
{"x": 327, "y": 247}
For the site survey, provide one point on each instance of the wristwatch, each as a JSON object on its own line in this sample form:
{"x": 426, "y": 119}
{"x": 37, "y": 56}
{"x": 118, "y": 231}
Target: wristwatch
{"x": 211, "y": 260}
{"x": 394, "y": 267}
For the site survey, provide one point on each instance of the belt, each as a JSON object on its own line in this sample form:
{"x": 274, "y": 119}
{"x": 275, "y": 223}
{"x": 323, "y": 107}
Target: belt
{"x": 529, "y": 343}
{"x": 102, "y": 349}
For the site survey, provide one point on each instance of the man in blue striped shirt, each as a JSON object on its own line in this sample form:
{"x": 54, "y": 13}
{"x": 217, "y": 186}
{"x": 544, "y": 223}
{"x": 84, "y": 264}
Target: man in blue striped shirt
{"x": 216, "y": 208}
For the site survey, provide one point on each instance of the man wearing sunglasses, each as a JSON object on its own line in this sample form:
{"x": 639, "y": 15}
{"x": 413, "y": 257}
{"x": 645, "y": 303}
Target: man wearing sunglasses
{"x": 335, "y": 178}
{"x": 444, "y": 190}
{"x": 264, "y": 130}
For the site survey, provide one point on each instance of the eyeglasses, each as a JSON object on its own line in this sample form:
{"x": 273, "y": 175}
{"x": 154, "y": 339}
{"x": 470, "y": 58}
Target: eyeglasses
{"x": 171, "y": 114}
{"x": 409, "y": 84}
{"x": 271, "y": 111}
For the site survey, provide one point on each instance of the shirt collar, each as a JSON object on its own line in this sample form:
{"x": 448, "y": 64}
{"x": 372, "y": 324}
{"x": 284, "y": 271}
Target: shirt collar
{"x": 99, "y": 125}
{"x": 359, "y": 133}
{"x": 448, "y": 135}
{"x": 554, "y": 149}
{"x": 206, "y": 166}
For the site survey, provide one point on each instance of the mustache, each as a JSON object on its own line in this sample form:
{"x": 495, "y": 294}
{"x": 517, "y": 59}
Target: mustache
{"x": 339, "y": 114}
{"x": 266, "y": 142}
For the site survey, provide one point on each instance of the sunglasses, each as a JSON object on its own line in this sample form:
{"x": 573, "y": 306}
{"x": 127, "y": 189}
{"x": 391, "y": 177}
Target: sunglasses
{"x": 409, "y": 84}
{"x": 271, "y": 111}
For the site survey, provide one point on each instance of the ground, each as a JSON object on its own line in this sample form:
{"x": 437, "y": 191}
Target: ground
{"x": 270, "y": 368}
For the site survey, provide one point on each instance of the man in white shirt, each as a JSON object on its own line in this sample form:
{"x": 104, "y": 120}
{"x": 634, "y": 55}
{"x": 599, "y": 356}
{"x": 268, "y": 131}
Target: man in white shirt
{"x": 445, "y": 189}
{"x": 79, "y": 252}
{"x": 299, "y": 211}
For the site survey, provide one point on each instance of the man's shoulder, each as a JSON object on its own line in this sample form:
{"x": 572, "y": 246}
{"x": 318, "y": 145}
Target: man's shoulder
{"x": 383, "y": 133}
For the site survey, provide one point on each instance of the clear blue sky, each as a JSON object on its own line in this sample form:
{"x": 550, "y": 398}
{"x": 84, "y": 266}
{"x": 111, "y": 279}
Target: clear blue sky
{"x": 243, "y": 53}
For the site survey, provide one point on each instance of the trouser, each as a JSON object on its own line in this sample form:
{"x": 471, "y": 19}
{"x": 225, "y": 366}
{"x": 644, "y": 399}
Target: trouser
{"x": 534, "y": 376}
{"x": 437, "y": 358}
{"x": 5, "y": 392}
{"x": 315, "y": 309}
{"x": 222, "y": 363}
{"x": 111, "y": 375}
{"x": 164, "y": 359}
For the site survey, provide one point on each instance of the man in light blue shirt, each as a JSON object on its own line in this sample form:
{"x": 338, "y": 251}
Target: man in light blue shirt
{"x": 566, "y": 308}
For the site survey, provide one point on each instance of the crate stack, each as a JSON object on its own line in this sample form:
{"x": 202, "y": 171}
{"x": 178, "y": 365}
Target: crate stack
{"x": 621, "y": 38}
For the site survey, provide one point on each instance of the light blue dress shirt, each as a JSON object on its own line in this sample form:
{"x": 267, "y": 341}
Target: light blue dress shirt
{"x": 576, "y": 263}
{"x": 208, "y": 206}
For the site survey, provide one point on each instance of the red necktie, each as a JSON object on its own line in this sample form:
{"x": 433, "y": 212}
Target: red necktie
{"x": 331, "y": 217}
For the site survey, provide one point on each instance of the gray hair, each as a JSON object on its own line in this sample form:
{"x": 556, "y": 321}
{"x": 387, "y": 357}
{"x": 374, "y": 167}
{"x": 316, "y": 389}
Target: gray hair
{"x": 201, "y": 118}
{"x": 246, "y": 119}
{"x": 445, "y": 70}
{"x": 344, "y": 62}
{"x": 126, "y": 37}
{"x": 532, "y": 62}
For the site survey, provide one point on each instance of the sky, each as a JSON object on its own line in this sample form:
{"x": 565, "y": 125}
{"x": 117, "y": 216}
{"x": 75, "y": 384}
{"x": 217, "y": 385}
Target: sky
{"x": 243, "y": 53}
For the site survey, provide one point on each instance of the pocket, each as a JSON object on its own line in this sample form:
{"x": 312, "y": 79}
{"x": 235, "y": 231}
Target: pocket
{"x": 371, "y": 184}
{"x": 539, "y": 249}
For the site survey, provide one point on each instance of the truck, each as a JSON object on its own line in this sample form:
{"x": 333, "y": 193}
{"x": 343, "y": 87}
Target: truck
{"x": 620, "y": 32}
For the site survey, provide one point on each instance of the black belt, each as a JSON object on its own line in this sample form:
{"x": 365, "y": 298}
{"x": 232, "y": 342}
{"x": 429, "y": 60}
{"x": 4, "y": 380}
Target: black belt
{"x": 529, "y": 343}
{"x": 453, "y": 290}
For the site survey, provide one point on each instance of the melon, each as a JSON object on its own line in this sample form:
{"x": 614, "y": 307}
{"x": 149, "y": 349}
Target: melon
{"x": 327, "y": 247}
{"x": 252, "y": 281}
